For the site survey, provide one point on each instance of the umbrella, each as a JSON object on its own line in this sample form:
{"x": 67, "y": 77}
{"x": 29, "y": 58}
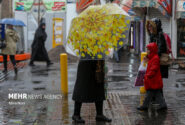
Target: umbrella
{"x": 98, "y": 29}
{"x": 127, "y": 6}
{"x": 12, "y": 21}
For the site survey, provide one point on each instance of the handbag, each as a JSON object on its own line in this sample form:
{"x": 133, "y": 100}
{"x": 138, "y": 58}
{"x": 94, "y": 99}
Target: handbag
{"x": 165, "y": 59}
{"x": 2, "y": 45}
{"x": 139, "y": 81}
{"x": 100, "y": 75}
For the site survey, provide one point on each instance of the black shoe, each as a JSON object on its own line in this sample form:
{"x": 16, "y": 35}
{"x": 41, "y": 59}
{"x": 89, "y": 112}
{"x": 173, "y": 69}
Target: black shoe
{"x": 78, "y": 119}
{"x": 49, "y": 63}
{"x": 102, "y": 118}
{"x": 31, "y": 64}
{"x": 142, "y": 108}
{"x": 5, "y": 71}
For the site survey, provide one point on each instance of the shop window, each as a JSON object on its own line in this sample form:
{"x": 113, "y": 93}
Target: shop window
{"x": 181, "y": 38}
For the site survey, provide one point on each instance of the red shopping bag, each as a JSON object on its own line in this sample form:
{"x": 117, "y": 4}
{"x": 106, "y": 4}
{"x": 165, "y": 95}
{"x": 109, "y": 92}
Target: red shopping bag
{"x": 141, "y": 74}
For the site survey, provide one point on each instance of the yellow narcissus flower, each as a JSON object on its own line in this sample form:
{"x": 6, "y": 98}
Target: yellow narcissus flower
{"x": 104, "y": 43}
{"x": 117, "y": 38}
{"x": 94, "y": 53}
{"x": 83, "y": 55}
{"x": 88, "y": 52}
{"x": 84, "y": 50}
{"x": 124, "y": 36}
{"x": 100, "y": 56}
{"x": 77, "y": 53}
{"x": 85, "y": 46}
{"x": 82, "y": 34}
{"x": 98, "y": 50}
{"x": 99, "y": 43}
{"x": 107, "y": 46}
{"x": 102, "y": 49}
{"x": 121, "y": 43}
{"x": 95, "y": 47}
{"x": 107, "y": 52}
{"x": 115, "y": 43}
{"x": 128, "y": 21}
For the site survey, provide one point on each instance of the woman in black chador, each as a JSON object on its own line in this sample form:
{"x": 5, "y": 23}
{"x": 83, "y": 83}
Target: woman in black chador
{"x": 39, "y": 52}
{"x": 89, "y": 88}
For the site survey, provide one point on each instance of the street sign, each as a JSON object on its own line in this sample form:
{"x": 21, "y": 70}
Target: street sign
{"x": 38, "y": 9}
{"x": 23, "y": 5}
{"x": 57, "y": 32}
{"x": 55, "y": 5}
{"x": 181, "y": 6}
{"x": 2, "y": 31}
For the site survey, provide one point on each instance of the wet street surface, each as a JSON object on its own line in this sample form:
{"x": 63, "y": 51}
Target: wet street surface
{"x": 47, "y": 106}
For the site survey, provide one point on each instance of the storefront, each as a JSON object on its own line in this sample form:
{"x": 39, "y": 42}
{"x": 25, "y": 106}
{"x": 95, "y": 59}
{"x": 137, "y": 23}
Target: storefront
{"x": 136, "y": 36}
{"x": 181, "y": 28}
{"x": 181, "y": 37}
{"x": 148, "y": 9}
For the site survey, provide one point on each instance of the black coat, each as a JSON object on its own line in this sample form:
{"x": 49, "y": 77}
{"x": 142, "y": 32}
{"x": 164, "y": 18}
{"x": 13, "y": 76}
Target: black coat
{"x": 87, "y": 89}
{"x": 39, "y": 52}
{"x": 162, "y": 48}
{"x": 161, "y": 42}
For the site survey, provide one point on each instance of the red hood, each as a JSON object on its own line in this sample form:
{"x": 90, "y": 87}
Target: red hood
{"x": 153, "y": 49}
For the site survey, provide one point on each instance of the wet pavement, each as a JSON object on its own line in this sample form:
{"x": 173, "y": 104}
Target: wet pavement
{"x": 47, "y": 106}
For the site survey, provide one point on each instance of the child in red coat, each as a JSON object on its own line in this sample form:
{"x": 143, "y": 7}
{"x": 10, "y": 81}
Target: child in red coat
{"x": 153, "y": 80}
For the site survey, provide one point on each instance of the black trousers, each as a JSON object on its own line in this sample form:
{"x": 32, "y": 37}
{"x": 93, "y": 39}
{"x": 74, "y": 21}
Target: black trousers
{"x": 12, "y": 58}
{"x": 157, "y": 94}
{"x": 78, "y": 105}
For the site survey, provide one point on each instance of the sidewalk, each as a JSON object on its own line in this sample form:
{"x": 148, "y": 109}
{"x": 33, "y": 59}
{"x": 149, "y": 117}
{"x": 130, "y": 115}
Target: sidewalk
{"x": 120, "y": 105}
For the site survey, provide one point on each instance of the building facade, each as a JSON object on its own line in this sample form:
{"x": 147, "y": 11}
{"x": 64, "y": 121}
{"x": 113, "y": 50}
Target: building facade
{"x": 6, "y": 9}
{"x": 179, "y": 28}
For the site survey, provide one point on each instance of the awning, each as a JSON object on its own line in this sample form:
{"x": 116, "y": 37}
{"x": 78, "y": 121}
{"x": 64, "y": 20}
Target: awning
{"x": 180, "y": 8}
{"x": 167, "y": 5}
{"x": 127, "y": 6}
{"x": 83, "y": 4}
{"x": 159, "y": 4}
{"x": 49, "y": 5}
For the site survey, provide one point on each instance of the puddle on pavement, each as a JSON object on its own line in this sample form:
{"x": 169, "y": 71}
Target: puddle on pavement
{"x": 180, "y": 80}
{"x": 22, "y": 88}
{"x": 41, "y": 74}
{"x": 117, "y": 78}
{"x": 43, "y": 69}
{"x": 40, "y": 88}
{"x": 152, "y": 117}
{"x": 36, "y": 82}
{"x": 65, "y": 110}
{"x": 181, "y": 83}
{"x": 180, "y": 71}
{"x": 119, "y": 70}
{"x": 180, "y": 94}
